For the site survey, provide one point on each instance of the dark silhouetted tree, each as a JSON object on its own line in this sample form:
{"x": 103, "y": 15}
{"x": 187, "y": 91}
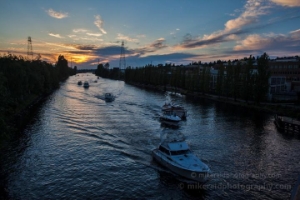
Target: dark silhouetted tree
{"x": 261, "y": 78}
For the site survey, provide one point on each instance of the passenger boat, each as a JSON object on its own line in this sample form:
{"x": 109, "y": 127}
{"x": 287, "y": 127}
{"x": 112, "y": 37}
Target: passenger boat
{"x": 170, "y": 116}
{"x": 86, "y": 84}
{"x": 177, "y": 109}
{"x": 109, "y": 97}
{"x": 177, "y": 156}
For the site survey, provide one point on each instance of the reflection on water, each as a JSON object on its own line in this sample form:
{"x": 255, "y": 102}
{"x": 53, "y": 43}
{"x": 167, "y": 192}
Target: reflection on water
{"x": 79, "y": 146}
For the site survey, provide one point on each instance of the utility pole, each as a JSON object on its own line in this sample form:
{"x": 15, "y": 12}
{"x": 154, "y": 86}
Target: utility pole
{"x": 122, "y": 63}
{"x": 29, "y": 47}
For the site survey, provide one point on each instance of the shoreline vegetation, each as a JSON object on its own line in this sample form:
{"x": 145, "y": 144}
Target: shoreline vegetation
{"x": 289, "y": 110}
{"x": 244, "y": 83}
{"x": 25, "y": 83}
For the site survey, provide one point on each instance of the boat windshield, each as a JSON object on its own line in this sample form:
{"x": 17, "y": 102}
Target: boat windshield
{"x": 164, "y": 150}
{"x": 181, "y": 152}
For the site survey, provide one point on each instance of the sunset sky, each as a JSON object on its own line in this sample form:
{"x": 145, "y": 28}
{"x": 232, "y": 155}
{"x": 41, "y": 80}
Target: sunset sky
{"x": 156, "y": 31}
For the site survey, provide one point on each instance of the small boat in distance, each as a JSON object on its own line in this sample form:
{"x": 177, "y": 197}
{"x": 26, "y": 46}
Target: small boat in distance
{"x": 86, "y": 84}
{"x": 170, "y": 116}
{"x": 176, "y": 156}
{"x": 79, "y": 83}
{"x": 177, "y": 109}
{"x": 109, "y": 97}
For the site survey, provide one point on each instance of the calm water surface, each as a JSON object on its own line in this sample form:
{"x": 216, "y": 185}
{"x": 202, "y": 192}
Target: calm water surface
{"x": 79, "y": 147}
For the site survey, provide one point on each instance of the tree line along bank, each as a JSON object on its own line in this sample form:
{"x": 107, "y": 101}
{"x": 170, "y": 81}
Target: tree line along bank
{"x": 247, "y": 80}
{"x": 22, "y": 82}
{"x": 237, "y": 81}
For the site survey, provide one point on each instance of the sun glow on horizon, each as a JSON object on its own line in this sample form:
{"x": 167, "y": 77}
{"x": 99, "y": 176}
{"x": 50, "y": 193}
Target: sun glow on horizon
{"x": 79, "y": 58}
{"x": 237, "y": 29}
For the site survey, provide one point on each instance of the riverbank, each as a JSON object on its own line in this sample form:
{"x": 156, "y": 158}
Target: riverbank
{"x": 285, "y": 109}
{"x": 17, "y": 120}
{"x": 14, "y": 124}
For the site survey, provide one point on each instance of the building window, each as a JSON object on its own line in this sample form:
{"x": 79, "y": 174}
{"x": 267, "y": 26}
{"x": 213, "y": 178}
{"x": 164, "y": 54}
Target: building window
{"x": 273, "y": 81}
{"x": 277, "y": 81}
{"x": 272, "y": 90}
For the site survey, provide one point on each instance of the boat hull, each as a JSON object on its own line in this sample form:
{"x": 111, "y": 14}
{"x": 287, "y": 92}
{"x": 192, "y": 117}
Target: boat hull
{"x": 169, "y": 124}
{"x": 109, "y": 99}
{"x": 198, "y": 176}
{"x": 180, "y": 112}
{"x": 170, "y": 119}
{"x": 86, "y": 85}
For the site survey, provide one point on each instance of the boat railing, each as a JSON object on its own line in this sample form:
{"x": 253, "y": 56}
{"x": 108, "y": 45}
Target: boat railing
{"x": 175, "y": 138}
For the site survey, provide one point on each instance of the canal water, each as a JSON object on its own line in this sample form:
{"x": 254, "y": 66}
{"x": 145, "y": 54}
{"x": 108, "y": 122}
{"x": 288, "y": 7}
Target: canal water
{"x": 77, "y": 146}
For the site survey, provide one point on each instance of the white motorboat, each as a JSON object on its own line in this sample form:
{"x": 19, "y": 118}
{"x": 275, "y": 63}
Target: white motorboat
{"x": 176, "y": 156}
{"x": 86, "y": 84}
{"x": 177, "y": 109}
{"x": 170, "y": 116}
{"x": 109, "y": 97}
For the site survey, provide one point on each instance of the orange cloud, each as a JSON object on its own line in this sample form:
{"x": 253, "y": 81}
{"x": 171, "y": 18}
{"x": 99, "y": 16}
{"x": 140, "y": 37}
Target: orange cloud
{"x": 252, "y": 42}
{"x": 270, "y": 42}
{"x": 57, "y": 15}
{"x": 55, "y": 35}
{"x": 233, "y": 28}
{"x": 94, "y": 34}
{"x": 288, "y": 3}
{"x": 126, "y": 38}
{"x": 253, "y": 9}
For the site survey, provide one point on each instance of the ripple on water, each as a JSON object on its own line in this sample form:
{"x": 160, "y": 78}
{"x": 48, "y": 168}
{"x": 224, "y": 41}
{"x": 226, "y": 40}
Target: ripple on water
{"x": 79, "y": 146}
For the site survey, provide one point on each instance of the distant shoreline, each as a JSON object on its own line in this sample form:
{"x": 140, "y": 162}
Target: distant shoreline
{"x": 288, "y": 110}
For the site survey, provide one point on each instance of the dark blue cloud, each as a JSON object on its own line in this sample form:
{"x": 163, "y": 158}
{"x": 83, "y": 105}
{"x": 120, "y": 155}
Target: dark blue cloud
{"x": 138, "y": 61}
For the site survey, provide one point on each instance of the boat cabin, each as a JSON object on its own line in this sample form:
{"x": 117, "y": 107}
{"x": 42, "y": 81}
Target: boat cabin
{"x": 175, "y": 148}
{"x": 170, "y": 113}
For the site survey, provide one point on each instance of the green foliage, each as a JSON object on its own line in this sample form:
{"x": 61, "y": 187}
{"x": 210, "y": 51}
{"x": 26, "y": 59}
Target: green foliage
{"x": 3, "y": 102}
{"x": 204, "y": 80}
{"x": 237, "y": 80}
{"x": 62, "y": 67}
{"x": 261, "y": 84}
{"x": 228, "y": 80}
{"x": 105, "y": 72}
{"x": 220, "y": 80}
{"x": 22, "y": 79}
{"x": 247, "y": 80}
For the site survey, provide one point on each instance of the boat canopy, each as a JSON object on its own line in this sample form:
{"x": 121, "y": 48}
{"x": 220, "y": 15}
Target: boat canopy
{"x": 177, "y": 146}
